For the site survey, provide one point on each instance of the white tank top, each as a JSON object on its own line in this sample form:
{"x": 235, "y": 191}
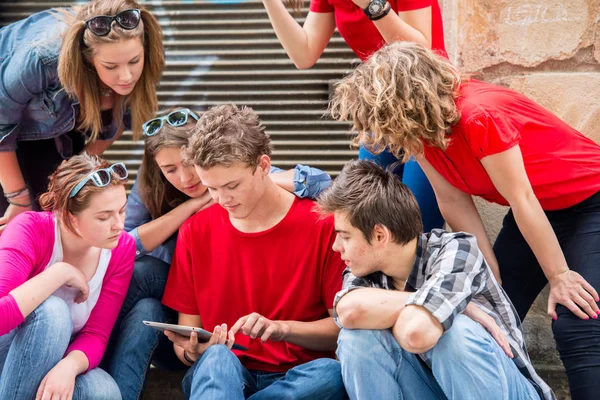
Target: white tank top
{"x": 79, "y": 312}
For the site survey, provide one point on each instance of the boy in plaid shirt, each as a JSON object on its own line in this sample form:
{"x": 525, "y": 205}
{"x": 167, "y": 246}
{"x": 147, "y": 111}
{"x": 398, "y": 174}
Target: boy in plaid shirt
{"x": 422, "y": 315}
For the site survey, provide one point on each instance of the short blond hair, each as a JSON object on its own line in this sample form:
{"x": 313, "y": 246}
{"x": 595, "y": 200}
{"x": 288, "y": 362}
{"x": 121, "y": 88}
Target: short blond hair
{"x": 402, "y": 96}
{"x": 226, "y": 135}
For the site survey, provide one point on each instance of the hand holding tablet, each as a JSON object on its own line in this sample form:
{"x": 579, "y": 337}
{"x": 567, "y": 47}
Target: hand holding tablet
{"x": 203, "y": 335}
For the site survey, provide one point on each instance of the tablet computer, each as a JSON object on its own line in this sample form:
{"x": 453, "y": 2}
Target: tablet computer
{"x": 203, "y": 335}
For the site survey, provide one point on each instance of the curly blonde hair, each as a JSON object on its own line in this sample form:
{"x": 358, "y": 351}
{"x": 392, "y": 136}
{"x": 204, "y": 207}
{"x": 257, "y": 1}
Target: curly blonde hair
{"x": 402, "y": 96}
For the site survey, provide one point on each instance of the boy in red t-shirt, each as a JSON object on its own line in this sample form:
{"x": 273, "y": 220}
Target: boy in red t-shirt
{"x": 260, "y": 263}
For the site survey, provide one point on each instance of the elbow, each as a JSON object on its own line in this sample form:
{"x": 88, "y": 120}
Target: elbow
{"x": 415, "y": 336}
{"x": 303, "y": 64}
{"x": 348, "y": 313}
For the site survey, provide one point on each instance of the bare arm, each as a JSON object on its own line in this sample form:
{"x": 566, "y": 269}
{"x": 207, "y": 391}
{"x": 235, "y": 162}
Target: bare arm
{"x": 11, "y": 179}
{"x": 460, "y": 212}
{"x": 410, "y": 26}
{"x": 303, "y": 44}
{"x": 370, "y": 308}
{"x": 36, "y": 290}
{"x": 507, "y": 172}
{"x": 320, "y": 335}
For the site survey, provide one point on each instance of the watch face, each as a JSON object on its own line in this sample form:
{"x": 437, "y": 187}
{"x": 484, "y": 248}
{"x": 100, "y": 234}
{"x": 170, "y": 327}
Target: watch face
{"x": 375, "y": 7}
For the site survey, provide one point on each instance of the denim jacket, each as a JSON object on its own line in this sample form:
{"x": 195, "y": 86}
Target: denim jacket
{"x": 308, "y": 182}
{"x": 33, "y": 104}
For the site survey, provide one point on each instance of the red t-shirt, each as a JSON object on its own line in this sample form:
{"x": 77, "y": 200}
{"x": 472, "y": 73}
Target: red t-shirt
{"x": 288, "y": 272}
{"x": 562, "y": 164}
{"x": 362, "y": 35}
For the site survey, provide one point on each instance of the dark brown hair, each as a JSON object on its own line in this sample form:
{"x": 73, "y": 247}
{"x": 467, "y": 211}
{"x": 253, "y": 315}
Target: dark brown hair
{"x": 373, "y": 196}
{"x": 78, "y": 75}
{"x": 227, "y": 135}
{"x": 156, "y": 192}
{"x": 68, "y": 174}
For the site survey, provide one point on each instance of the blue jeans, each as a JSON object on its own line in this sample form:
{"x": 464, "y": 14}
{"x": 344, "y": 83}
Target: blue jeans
{"x": 218, "y": 374}
{"x": 467, "y": 363}
{"x": 31, "y": 350}
{"x": 412, "y": 176}
{"x": 578, "y": 341}
{"x": 133, "y": 344}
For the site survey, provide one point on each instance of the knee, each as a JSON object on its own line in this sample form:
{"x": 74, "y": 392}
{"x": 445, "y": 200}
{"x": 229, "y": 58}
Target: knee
{"x": 354, "y": 344}
{"x": 148, "y": 308}
{"x": 54, "y": 315}
{"x": 460, "y": 339}
{"x": 149, "y": 272}
{"x": 218, "y": 358}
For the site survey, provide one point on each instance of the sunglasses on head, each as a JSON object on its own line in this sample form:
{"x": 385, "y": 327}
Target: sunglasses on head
{"x": 101, "y": 25}
{"x": 101, "y": 177}
{"x": 175, "y": 118}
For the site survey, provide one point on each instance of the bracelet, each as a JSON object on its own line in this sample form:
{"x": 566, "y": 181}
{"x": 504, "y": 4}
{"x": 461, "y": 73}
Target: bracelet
{"x": 18, "y": 193}
{"x": 17, "y": 204}
{"x": 189, "y": 360}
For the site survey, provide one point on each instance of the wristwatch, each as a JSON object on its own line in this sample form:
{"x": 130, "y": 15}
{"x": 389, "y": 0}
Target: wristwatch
{"x": 377, "y": 9}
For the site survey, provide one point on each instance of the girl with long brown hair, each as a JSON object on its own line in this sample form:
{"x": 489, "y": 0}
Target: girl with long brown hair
{"x": 66, "y": 77}
{"x": 166, "y": 193}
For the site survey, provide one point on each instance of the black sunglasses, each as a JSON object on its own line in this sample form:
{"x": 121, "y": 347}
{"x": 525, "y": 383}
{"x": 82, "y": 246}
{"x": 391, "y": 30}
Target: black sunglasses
{"x": 101, "y": 25}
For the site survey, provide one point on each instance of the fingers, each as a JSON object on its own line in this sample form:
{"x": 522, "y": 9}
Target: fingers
{"x": 236, "y": 327}
{"x": 570, "y": 304}
{"x": 220, "y": 333}
{"x": 40, "y": 391}
{"x": 258, "y": 328}
{"x": 177, "y": 339}
{"x": 502, "y": 340}
{"x": 271, "y": 329}
{"x": 552, "y": 308}
{"x": 230, "y": 339}
{"x": 2, "y": 228}
{"x": 586, "y": 303}
{"x": 249, "y": 324}
{"x": 590, "y": 289}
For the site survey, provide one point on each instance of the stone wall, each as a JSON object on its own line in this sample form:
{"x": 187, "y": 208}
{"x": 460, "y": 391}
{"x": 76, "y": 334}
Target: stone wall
{"x": 550, "y": 51}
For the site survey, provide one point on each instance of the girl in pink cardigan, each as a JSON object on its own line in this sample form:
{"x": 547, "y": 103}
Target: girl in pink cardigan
{"x": 64, "y": 273}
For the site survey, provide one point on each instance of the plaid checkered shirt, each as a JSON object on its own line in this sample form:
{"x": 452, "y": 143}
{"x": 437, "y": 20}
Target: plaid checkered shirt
{"x": 449, "y": 272}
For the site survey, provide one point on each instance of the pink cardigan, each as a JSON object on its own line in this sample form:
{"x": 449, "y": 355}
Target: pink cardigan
{"x": 25, "y": 249}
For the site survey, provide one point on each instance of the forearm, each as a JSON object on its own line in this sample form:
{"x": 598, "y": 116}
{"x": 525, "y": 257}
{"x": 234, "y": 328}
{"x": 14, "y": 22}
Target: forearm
{"x": 36, "y": 290}
{"x": 393, "y": 28}
{"x": 540, "y": 236}
{"x": 318, "y": 335}
{"x": 284, "y": 179}
{"x": 11, "y": 177}
{"x": 462, "y": 215}
{"x": 370, "y": 308}
{"x": 157, "y": 231}
{"x": 77, "y": 361}
{"x": 291, "y": 35}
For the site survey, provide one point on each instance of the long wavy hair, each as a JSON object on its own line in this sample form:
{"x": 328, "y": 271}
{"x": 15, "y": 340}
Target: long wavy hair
{"x": 401, "y": 97}
{"x": 78, "y": 75}
{"x": 156, "y": 192}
